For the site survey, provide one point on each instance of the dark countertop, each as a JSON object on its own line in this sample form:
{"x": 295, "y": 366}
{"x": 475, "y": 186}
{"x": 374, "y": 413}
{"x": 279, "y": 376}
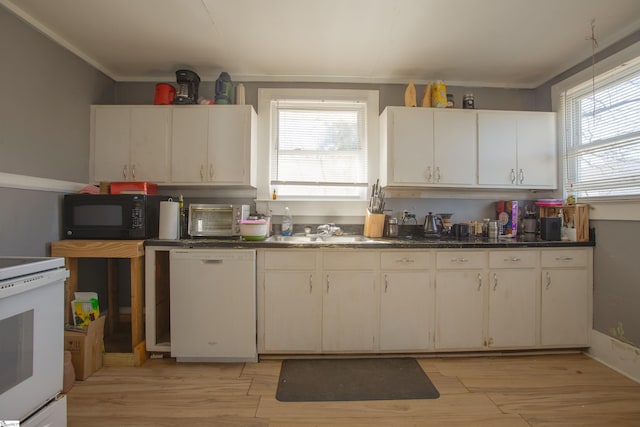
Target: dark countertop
{"x": 406, "y": 242}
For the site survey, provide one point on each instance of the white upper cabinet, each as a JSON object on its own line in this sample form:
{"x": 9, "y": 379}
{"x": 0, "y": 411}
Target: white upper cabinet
{"x": 186, "y": 144}
{"x": 190, "y": 143}
{"x": 130, "y": 143}
{"x": 428, "y": 147}
{"x": 214, "y": 145}
{"x": 517, "y": 149}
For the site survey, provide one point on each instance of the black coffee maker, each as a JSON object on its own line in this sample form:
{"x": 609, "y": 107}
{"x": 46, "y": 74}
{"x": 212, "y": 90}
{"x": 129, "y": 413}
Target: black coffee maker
{"x": 187, "y": 91}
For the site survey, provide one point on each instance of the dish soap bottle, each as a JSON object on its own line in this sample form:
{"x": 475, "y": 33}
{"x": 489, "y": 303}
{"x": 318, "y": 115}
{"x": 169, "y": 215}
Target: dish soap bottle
{"x": 571, "y": 196}
{"x": 287, "y": 223}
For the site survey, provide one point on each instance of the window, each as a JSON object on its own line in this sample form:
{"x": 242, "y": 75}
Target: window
{"x": 320, "y": 143}
{"x": 602, "y": 134}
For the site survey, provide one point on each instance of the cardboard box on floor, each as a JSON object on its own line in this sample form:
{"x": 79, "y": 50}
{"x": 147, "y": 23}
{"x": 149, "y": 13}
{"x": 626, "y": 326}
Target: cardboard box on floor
{"x": 86, "y": 348}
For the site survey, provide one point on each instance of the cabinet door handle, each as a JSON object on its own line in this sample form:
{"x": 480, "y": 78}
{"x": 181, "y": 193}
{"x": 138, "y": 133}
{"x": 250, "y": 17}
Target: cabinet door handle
{"x": 405, "y": 260}
{"x": 513, "y": 176}
{"x": 438, "y": 174}
{"x": 548, "y": 280}
{"x": 210, "y": 171}
{"x": 311, "y": 283}
{"x": 459, "y": 260}
{"x": 133, "y": 172}
{"x": 564, "y": 258}
{"x": 386, "y": 283}
{"x": 429, "y": 174}
{"x": 479, "y": 281}
{"x": 124, "y": 172}
{"x": 512, "y": 259}
{"x": 521, "y": 176}
{"x": 327, "y": 283}
{"x": 201, "y": 172}
{"x": 495, "y": 281}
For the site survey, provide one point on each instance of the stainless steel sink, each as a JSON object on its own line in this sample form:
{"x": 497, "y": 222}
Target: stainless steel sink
{"x": 316, "y": 239}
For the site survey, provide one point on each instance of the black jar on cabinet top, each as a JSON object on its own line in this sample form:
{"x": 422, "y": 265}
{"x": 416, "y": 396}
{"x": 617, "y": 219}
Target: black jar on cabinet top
{"x": 468, "y": 101}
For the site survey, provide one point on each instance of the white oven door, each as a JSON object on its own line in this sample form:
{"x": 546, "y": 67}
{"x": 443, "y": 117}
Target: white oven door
{"x": 32, "y": 349}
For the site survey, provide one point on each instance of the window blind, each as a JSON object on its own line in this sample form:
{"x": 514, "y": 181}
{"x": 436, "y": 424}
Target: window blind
{"x": 318, "y": 143}
{"x": 602, "y": 134}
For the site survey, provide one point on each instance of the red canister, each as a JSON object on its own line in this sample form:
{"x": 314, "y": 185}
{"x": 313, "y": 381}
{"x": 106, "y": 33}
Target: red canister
{"x": 164, "y": 94}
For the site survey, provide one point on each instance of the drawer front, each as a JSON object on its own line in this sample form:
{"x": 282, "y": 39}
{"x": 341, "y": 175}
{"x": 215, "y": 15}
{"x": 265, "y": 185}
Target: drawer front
{"x": 290, "y": 260}
{"x": 564, "y": 258}
{"x": 350, "y": 260}
{"x": 513, "y": 259}
{"x": 461, "y": 260}
{"x": 406, "y": 260}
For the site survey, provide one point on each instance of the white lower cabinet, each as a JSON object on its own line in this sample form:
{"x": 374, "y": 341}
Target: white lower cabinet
{"x": 292, "y": 302}
{"x": 349, "y": 306}
{"x": 349, "y": 311}
{"x": 406, "y": 301}
{"x": 566, "y": 306}
{"x": 513, "y": 299}
{"x": 461, "y": 292}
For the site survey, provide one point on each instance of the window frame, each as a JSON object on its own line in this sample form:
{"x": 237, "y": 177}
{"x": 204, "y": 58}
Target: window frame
{"x": 605, "y": 208}
{"x": 313, "y": 206}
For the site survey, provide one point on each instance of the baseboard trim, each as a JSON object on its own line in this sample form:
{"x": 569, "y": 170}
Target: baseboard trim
{"x": 617, "y": 355}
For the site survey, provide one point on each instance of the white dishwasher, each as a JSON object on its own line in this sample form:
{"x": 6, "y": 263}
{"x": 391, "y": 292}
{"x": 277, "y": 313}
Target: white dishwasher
{"x": 213, "y": 305}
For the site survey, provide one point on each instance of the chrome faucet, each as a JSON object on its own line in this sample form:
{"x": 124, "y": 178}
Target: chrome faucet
{"x": 328, "y": 229}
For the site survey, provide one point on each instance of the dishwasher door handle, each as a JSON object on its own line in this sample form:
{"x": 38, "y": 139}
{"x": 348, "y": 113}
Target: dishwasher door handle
{"x": 211, "y": 261}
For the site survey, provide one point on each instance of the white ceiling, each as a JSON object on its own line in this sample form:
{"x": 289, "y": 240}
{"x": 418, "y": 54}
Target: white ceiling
{"x": 506, "y": 43}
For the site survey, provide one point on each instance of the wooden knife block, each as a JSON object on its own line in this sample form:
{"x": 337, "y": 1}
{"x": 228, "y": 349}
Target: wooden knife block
{"x": 373, "y": 225}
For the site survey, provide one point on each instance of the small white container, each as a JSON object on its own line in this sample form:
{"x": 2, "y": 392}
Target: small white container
{"x": 254, "y": 229}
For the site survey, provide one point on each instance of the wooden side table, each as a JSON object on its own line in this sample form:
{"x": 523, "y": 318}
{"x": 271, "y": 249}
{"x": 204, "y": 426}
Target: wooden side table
{"x": 112, "y": 250}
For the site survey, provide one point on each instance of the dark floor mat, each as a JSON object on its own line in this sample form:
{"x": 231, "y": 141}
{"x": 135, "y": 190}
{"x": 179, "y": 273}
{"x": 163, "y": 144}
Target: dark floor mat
{"x": 313, "y": 380}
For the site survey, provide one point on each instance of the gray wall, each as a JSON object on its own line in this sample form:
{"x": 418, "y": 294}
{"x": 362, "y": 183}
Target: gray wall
{"x": 134, "y": 93}
{"x": 616, "y": 268}
{"x": 44, "y": 130}
{"x": 617, "y": 280}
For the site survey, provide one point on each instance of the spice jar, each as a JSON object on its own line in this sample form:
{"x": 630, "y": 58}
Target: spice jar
{"x": 451, "y": 103}
{"x": 392, "y": 229}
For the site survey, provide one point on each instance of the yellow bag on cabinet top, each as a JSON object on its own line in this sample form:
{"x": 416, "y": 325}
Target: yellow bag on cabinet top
{"x": 439, "y": 94}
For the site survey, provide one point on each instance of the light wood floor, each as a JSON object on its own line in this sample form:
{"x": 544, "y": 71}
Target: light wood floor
{"x": 541, "y": 390}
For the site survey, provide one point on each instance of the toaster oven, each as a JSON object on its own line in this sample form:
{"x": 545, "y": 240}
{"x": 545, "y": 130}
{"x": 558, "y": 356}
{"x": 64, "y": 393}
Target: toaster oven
{"x": 216, "y": 220}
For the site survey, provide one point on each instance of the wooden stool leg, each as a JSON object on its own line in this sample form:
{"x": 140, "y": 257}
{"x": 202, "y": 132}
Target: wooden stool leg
{"x": 71, "y": 286}
{"x": 112, "y": 287}
{"x": 137, "y": 301}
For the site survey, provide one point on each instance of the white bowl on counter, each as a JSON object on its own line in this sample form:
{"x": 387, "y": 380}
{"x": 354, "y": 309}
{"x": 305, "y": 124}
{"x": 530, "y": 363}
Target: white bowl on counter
{"x": 254, "y": 229}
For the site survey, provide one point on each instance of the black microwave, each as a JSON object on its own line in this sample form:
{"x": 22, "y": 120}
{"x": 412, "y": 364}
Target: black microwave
{"x": 111, "y": 216}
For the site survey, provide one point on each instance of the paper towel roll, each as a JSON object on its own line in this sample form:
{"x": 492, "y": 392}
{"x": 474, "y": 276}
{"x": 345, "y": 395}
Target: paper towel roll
{"x": 169, "y": 221}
